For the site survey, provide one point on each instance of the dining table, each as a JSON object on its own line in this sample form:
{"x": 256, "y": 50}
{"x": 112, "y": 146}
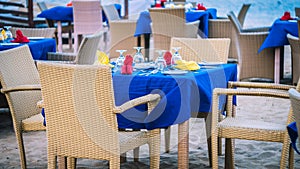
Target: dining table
{"x": 39, "y": 46}
{"x": 65, "y": 14}
{"x": 182, "y": 93}
{"x": 277, "y": 39}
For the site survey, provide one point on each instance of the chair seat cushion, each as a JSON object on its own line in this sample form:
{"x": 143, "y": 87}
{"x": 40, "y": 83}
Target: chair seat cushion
{"x": 132, "y": 139}
{"x": 242, "y": 128}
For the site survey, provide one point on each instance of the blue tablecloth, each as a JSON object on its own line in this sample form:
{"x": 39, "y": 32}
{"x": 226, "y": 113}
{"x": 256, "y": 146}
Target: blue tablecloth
{"x": 38, "y": 47}
{"x": 278, "y": 31}
{"x": 181, "y": 95}
{"x": 143, "y": 23}
{"x": 64, "y": 13}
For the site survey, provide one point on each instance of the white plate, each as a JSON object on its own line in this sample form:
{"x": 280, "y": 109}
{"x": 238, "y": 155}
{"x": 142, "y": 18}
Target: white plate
{"x": 144, "y": 65}
{"x": 174, "y": 72}
{"x": 210, "y": 63}
{"x": 9, "y": 44}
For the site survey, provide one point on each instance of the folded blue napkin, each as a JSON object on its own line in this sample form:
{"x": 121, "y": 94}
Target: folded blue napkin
{"x": 293, "y": 133}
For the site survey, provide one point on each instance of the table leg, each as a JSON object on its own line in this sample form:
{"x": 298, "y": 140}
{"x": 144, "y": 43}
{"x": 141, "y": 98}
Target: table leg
{"x": 183, "y": 145}
{"x": 59, "y": 36}
{"x": 277, "y": 66}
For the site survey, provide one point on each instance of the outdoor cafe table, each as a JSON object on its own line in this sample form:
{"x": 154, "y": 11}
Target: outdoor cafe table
{"x": 64, "y": 14}
{"x": 277, "y": 39}
{"x": 181, "y": 95}
{"x": 38, "y": 47}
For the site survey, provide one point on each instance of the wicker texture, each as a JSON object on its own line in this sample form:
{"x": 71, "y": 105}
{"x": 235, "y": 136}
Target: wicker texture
{"x": 81, "y": 115}
{"x": 170, "y": 22}
{"x": 122, "y": 32}
{"x": 202, "y": 50}
{"x": 222, "y": 28}
{"x": 34, "y": 32}
{"x": 87, "y": 16}
{"x": 86, "y": 53}
{"x": 20, "y": 81}
{"x": 295, "y": 102}
{"x": 251, "y": 63}
{"x": 295, "y": 48}
{"x": 234, "y": 127}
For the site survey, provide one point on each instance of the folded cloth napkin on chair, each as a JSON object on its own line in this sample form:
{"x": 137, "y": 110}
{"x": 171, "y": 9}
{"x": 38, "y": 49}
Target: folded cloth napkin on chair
{"x": 168, "y": 58}
{"x": 102, "y": 59}
{"x": 20, "y": 37}
{"x": 201, "y": 7}
{"x": 286, "y": 16}
{"x": 186, "y": 65}
{"x": 127, "y": 66}
{"x": 293, "y": 133}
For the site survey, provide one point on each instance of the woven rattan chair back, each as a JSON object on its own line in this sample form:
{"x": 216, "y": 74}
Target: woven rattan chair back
{"x": 203, "y": 50}
{"x": 242, "y": 13}
{"x": 167, "y": 23}
{"x": 34, "y": 32}
{"x": 81, "y": 115}
{"x": 252, "y": 65}
{"x": 111, "y": 12}
{"x": 297, "y": 11}
{"x": 20, "y": 84}
{"x": 88, "y": 48}
{"x": 122, "y": 37}
{"x": 295, "y": 51}
{"x": 87, "y": 16}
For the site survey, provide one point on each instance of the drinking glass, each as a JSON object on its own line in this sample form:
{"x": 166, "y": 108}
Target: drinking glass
{"x": 160, "y": 62}
{"x": 8, "y": 32}
{"x": 120, "y": 60}
{"x": 138, "y": 56}
{"x": 176, "y": 56}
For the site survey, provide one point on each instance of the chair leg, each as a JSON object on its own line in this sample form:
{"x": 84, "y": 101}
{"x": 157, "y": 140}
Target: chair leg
{"x": 291, "y": 157}
{"x": 167, "y": 139}
{"x": 214, "y": 150}
{"x": 115, "y": 162}
{"x": 229, "y": 153}
{"x": 51, "y": 161}
{"x": 75, "y": 42}
{"x": 136, "y": 153}
{"x": 70, "y": 39}
{"x": 19, "y": 137}
{"x": 123, "y": 158}
{"x": 71, "y": 163}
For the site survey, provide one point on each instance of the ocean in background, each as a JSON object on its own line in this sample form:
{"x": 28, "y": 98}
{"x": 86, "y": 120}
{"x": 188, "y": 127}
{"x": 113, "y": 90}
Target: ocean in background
{"x": 261, "y": 12}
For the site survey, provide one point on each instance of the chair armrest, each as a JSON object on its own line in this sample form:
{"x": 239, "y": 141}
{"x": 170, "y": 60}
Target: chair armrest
{"x": 137, "y": 101}
{"x": 57, "y": 56}
{"x": 241, "y": 92}
{"x": 21, "y": 88}
{"x": 260, "y": 85}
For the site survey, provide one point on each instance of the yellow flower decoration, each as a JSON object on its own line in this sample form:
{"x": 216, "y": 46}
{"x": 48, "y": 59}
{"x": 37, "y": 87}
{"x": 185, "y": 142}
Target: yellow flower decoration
{"x": 4, "y": 34}
{"x": 102, "y": 59}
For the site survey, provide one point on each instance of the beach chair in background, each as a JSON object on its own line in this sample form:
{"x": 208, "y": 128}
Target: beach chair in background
{"x": 82, "y": 123}
{"x": 297, "y": 11}
{"x": 295, "y": 51}
{"x": 233, "y": 126}
{"x": 294, "y": 127}
{"x": 87, "y": 16}
{"x": 21, "y": 85}
{"x": 253, "y": 66}
{"x": 34, "y": 32}
{"x": 222, "y": 28}
{"x": 86, "y": 53}
{"x": 170, "y": 22}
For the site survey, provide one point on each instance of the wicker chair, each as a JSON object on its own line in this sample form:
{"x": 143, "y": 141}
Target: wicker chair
{"x": 78, "y": 119}
{"x": 202, "y": 50}
{"x": 253, "y": 66}
{"x": 122, "y": 37}
{"x": 111, "y": 12}
{"x": 295, "y": 102}
{"x": 87, "y": 16}
{"x": 67, "y": 27}
{"x": 170, "y": 22}
{"x": 222, "y": 28}
{"x": 236, "y": 127}
{"x": 21, "y": 85}
{"x": 34, "y": 32}
{"x": 86, "y": 53}
{"x": 297, "y": 11}
{"x": 295, "y": 48}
